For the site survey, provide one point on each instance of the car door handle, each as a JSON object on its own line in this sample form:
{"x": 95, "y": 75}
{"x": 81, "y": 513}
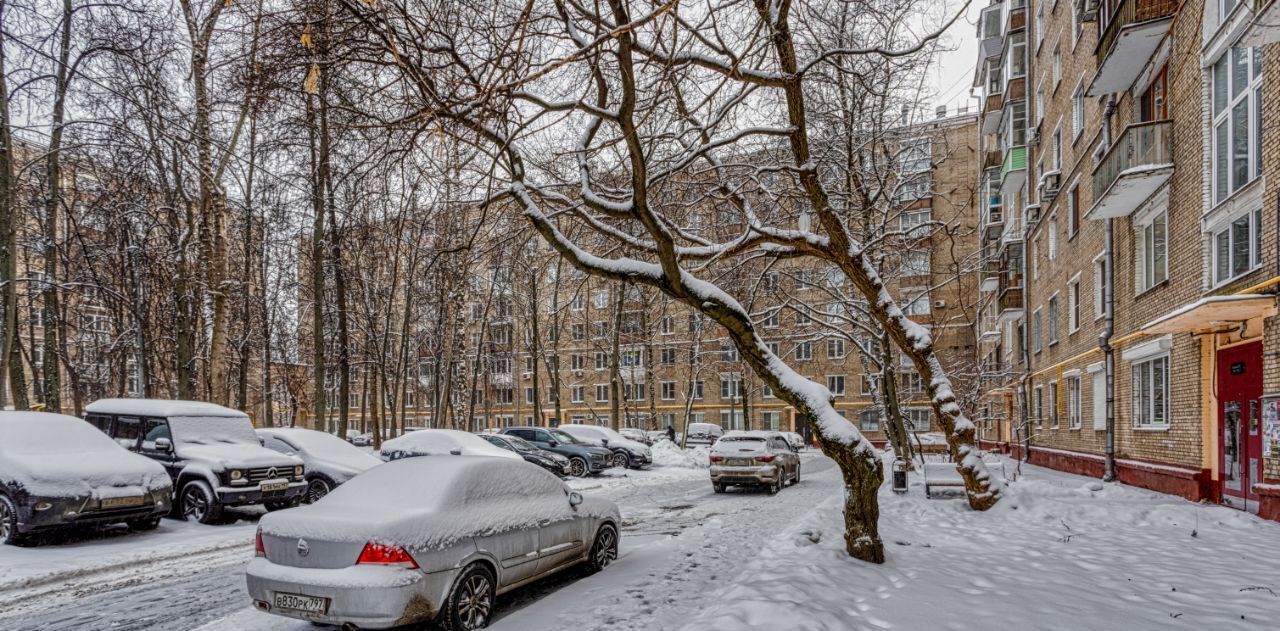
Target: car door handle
{"x": 544, "y": 523}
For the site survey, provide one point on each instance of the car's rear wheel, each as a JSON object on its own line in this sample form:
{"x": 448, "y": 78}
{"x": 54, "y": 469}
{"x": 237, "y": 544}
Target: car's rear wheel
{"x": 796, "y": 479}
{"x": 578, "y": 467}
{"x": 717, "y": 487}
{"x": 620, "y": 460}
{"x": 777, "y": 481}
{"x": 199, "y": 503}
{"x": 605, "y": 549}
{"x": 316, "y": 489}
{"x": 471, "y": 603}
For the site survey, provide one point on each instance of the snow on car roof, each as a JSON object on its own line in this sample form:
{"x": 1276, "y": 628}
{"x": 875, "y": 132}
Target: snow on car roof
{"x": 428, "y": 442}
{"x": 46, "y": 432}
{"x": 160, "y": 407}
{"x": 432, "y": 502}
{"x": 323, "y": 445}
{"x": 55, "y": 455}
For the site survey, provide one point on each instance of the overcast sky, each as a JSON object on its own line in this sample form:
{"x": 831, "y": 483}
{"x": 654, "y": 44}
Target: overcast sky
{"x": 952, "y": 76}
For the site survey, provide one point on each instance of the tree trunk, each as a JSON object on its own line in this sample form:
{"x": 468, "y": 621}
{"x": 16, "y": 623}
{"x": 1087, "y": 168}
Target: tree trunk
{"x": 317, "y": 266}
{"x": 54, "y": 327}
{"x": 13, "y": 382}
{"x": 895, "y": 428}
{"x": 615, "y": 363}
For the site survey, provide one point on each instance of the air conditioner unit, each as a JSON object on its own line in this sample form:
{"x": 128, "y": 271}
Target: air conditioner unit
{"x": 1087, "y": 10}
{"x": 577, "y": 373}
{"x": 1047, "y": 190}
{"x": 939, "y": 304}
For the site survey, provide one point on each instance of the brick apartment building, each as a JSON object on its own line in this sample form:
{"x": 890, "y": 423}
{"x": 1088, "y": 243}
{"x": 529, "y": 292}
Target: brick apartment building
{"x": 1131, "y": 227}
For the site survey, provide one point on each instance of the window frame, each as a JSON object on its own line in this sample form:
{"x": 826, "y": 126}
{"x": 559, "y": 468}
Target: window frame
{"x": 1144, "y": 398}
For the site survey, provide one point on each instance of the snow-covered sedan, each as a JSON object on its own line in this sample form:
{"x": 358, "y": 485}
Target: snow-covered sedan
{"x": 759, "y": 459}
{"x": 441, "y": 442}
{"x": 387, "y": 549}
{"x": 329, "y": 460}
{"x": 626, "y": 452}
{"x": 58, "y": 471}
{"x": 548, "y": 460}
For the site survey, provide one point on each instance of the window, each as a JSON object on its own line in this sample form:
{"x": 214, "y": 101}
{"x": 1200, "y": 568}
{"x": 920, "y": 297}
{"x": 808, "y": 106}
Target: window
{"x": 1052, "y": 227}
{"x": 731, "y": 421}
{"x": 576, "y": 361}
{"x": 916, "y": 263}
{"x": 1151, "y": 393}
{"x": 634, "y": 391}
{"x": 1039, "y": 105}
{"x": 668, "y": 356}
{"x": 697, "y": 390}
{"x": 728, "y": 352}
{"x": 602, "y": 393}
{"x": 602, "y": 360}
{"x": 1073, "y": 209}
{"x": 868, "y": 384}
{"x": 1154, "y": 249}
{"x": 502, "y": 396}
{"x": 835, "y": 348}
{"x": 1237, "y": 137}
{"x": 577, "y": 304}
{"x": 766, "y": 391}
{"x": 1237, "y": 248}
{"x": 1035, "y": 259}
{"x": 731, "y": 387}
{"x": 552, "y": 395}
{"x": 769, "y": 281}
{"x": 600, "y": 329}
{"x": 869, "y": 420}
{"x": 915, "y": 223}
{"x": 668, "y": 390}
{"x": 632, "y": 358}
{"x": 774, "y": 348}
{"x": 1073, "y": 304}
{"x": 916, "y": 155}
{"x": 1077, "y": 111}
{"x": 1057, "y": 65}
{"x": 1036, "y": 330}
{"x": 771, "y": 319}
{"x": 502, "y": 365}
{"x": 1056, "y": 147}
{"x": 1099, "y": 286}
{"x": 1037, "y": 405}
{"x": 1053, "y": 319}
{"x": 1100, "y": 400}
{"x": 917, "y": 419}
{"x": 1039, "y": 24}
{"x": 804, "y": 350}
{"x": 771, "y": 420}
{"x": 667, "y": 325}
{"x": 528, "y": 395}
{"x": 601, "y": 299}
{"x": 835, "y": 383}
{"x": 1017, "y": 63}
{"x": 578, "y": 331}
{"x": 917, "y": 303}
{"x": 802, "y": 317}
{"x": 1073, "y": 402}
{"x": 695, "y": 323}
{"x": 1053, "y": 405}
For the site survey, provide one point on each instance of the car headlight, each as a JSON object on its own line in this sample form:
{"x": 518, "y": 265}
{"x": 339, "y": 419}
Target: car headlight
{"x": 236, "y": 474}
{"x": 297, "y": 471}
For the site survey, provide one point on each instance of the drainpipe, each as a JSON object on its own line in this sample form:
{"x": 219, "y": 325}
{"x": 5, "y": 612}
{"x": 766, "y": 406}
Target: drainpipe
{"x": 1108, "y": 328}
{"x": 1026, "y": 347}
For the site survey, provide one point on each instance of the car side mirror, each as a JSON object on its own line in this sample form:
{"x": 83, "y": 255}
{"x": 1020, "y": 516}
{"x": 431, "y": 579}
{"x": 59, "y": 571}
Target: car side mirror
{"x": 604, "y": 441}
{"x": 552, "y": 443}
{"x": 575, "y": 498}
{"x": 164, "y": 444}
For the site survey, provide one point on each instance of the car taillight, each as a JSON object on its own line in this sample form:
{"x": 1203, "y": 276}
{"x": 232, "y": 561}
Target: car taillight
{"x": 717, "y": 458}
{"x": 764, "y": 458}
{"x": 259, "y": 550}
{"x": 379, "y": 554}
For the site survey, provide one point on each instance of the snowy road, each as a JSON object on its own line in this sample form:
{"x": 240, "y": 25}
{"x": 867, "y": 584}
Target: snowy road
{"x": 187, "y": 576}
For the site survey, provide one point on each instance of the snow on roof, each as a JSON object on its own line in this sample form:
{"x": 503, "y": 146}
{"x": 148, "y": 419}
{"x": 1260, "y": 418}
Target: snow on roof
{"x": 430, "y": 442}
{"x": 160, "y": 407}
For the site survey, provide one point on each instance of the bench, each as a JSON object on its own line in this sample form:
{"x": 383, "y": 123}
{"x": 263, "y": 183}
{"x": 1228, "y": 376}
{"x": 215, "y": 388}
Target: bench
{"x": 941, "y": 474}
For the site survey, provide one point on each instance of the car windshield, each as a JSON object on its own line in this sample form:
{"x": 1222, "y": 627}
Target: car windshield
{"x": 519, "y": 443}
{"x": 213, "y": 430}
{"x": 565, "y": 437}
{"x": 742, "y": 439}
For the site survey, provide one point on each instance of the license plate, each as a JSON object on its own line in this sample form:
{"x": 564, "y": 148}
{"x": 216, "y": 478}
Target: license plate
{"x": 739, "y": 462}
{"x": 267, "y": 487}
{"x": 304, "y": 604}
{"x": 123, "y": 502}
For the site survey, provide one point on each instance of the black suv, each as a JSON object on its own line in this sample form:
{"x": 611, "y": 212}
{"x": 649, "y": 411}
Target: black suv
{"x": 211, "y": 452}
{"x": 583, "y": 458}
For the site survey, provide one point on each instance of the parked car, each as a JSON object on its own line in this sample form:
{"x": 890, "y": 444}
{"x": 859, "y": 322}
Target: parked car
{"x": 796, "y": 441}
{"x": 438, "y": 442}
{"x": 213, "y": 457}
{"x": 638, "y": 435}
{"x": 362, "y": 440}
{"x": 760, "y": 459}
{"x": 660, "y": 435}
{"x": 548, "y": 460}
{"x": 58, "y": 471}
{"x": 584, "y": 458}
{"x": 386, "y": 550}
{"x": 704, "y": 433}
{"x": 627, "y": 453}
{"x": 329, "y": 460}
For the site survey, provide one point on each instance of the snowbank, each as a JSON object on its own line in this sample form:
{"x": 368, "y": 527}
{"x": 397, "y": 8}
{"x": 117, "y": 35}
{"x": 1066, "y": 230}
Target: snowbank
{"x": 668, "y": 454}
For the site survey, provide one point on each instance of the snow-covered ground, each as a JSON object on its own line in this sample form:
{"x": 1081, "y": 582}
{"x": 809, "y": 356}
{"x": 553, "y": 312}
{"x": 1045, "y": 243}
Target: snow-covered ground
{"x": 1060, "y": 552}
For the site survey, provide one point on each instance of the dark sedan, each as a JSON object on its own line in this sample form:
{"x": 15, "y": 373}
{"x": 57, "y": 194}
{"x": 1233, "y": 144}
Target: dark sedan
{"x": 548, "y": 460}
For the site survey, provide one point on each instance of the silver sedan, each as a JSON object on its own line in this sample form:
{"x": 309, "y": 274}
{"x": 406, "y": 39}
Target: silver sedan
{"x": 433, "y": 538}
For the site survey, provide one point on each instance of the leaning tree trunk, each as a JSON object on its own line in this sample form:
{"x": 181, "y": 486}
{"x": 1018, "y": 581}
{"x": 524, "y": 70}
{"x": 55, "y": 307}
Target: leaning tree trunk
{"x": 895, "y": 427}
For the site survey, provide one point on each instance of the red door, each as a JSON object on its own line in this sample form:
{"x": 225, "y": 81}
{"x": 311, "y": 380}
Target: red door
{"x": 1239, "y": 421}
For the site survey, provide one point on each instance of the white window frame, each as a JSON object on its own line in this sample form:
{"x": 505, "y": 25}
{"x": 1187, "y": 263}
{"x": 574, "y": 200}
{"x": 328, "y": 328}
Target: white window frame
{"x": 668, "y": 390}
{"x": 1073, "y": 304}
{"x": 1055, "y": 420}
{"x": 1099, "y": 286}
{"x": 1077, "y": 110}
{"x": 835, "y": 383}
{"x": 577, "y": 394}
{"x": 1151, "y": 271}
{"x": 1053, "y": 319}
{"x": 1074, "y": 422}
{"x": 1222, "y": 123}
{"x": 1253, "y": 220}
{"x": 1148, "y": 412}
{"x": 602, "y": 388}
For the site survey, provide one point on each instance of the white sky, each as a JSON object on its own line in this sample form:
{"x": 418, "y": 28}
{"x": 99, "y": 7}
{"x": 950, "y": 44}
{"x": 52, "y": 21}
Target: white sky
{"x": 952, "y": 75}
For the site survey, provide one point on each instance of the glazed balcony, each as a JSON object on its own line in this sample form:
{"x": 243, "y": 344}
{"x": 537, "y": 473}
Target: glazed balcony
{"x": 1130, "y": 31}
{"x": 1013, "y": 169}
{"x": 1136, "y": 166}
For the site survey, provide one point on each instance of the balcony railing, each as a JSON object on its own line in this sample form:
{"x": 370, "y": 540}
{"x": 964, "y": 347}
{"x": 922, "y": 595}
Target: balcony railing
{"x": 1134, "y": 168}
{"x": 1010, "y": 299}
{"x": 1129, "y": 31}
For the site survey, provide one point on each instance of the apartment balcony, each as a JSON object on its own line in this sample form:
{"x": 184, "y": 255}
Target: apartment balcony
{"x": 1017, "y": 16}
{"x": 1012, "y": 232}
{"x": 1264, "y": 27}
{"x": 1131, "y": 31}
{"x": 1010, "y": 303}
{"x": 1137, "y": 165}
{"x": 991, "y": 111}
{"x": 1013, "y": 169}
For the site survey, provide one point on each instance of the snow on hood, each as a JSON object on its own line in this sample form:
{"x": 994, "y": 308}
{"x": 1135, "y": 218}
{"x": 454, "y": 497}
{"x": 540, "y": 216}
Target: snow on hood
{"x": 222, "y": 456}
{"x": 442, "y": 442}
{"x": 428, "y": 503}
{"x": 53, "y": 455}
